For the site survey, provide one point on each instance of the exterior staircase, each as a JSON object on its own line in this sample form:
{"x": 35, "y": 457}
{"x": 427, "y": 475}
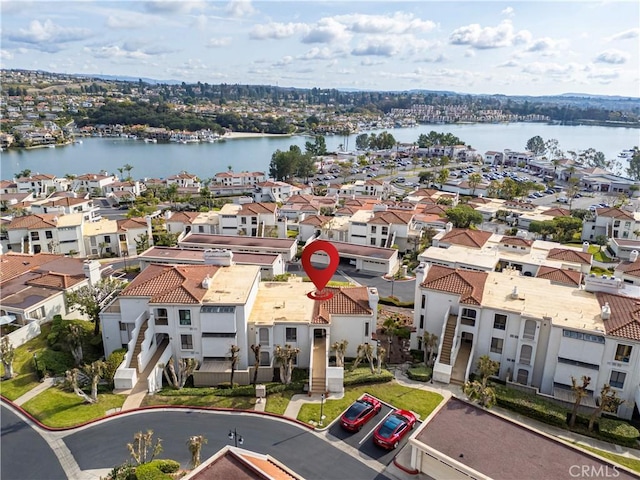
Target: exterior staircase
{"x": 319, "y": 378}
{"x": 447, "y": 341}
{"x": 138, "y": 347}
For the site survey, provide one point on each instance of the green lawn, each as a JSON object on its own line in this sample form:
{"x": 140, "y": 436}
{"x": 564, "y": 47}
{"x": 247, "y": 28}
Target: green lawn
{"x": 599, "y": 254}
{"x": 57, "y": 408}
{"x": 278, "y": 402}
{"x": 200, "y": 401}
{"x": 23, "y": 368}
{"x": 631, "y": 463}
{"x": 418, "y": 401}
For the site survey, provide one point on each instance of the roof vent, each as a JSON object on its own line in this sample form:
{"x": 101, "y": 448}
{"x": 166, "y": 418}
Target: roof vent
{"x": 606, "y": 311}
{"x": 206, "y": 282}
{"x": 514, "y": 293}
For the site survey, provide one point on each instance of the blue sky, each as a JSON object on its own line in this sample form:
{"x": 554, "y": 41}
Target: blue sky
{"x": 505, "y": 47}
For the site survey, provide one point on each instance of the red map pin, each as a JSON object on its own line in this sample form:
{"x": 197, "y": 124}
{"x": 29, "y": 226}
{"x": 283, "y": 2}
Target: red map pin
{"x": 320, "y": 277}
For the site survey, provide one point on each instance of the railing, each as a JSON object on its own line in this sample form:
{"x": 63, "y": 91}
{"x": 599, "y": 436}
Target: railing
{"x": 154, "y": 380}
{"x": 444, "y": 329}
{"x": 146, "y": 352}
{"x": 134, "y": 337}
{"x": 455, "y": 348}
{"x": 468, "y": 371}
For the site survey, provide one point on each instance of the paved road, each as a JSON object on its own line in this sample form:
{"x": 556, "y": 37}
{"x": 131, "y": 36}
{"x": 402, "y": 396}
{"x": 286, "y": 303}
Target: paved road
{"x": 25, "y": 455}
{"x": 103, "y": 445}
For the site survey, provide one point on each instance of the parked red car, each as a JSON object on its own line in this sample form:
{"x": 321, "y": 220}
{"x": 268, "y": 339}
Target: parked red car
{"x": 360, "y": 412}
{"x": 398, "y": 424}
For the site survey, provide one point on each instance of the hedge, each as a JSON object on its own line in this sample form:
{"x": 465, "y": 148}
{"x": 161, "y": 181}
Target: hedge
{"x": 420, "y": 373}
{"x": 363, "y": 379}
{"x": 166, "y": 465}
{"x": 150, "y": 471}
{"x": 395, "y": 302}
{"x": 618, "y": 431}
{"x": 516, "y": 401}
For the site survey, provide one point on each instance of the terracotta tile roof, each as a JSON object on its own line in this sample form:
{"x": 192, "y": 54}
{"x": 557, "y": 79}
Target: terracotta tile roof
{"x": 15, "y": 264}
{"x": 239, "y": 464}
{"x": 171, "y": 284}
{"x": 131, "y": 223}
{"x": 65, "y": 202}
{"x": 92, "y": 176}
{"x": 317, "y": 220}
{"x": 34, "y": 222}
{"x": 348, "y": 210}
{"x": 301, "y": 198}
{"x": 625, "y": 315}
{"x": 35, "y": 178}
{"x": 507, "y": 240}
{"x": 424, "y": 192}
{"x": 468, "y": 284}
{"x": 435, "y": 209}
{"x": 630, "y": 268}
{"x": 560, "y": 275}
{"x": 481, "y": 200}
{"x": 568, "y": 255}
{"x": 184, "y": 217}
{"x": 614, "y": 213}
{"x": 391, "y": 218}
{"x": 257, "y": 207}
{"x": 183, "y": 175}
{"x": 345, "y": 301}
{"x": 557, "y": 212}
{"x": 466, "y": 237}
{"x": 58, "y": 281}
{"x": 371, "y": 181}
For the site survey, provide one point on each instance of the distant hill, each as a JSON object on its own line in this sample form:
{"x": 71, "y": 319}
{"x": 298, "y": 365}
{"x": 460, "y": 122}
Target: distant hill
{"x": 125, "y": 78}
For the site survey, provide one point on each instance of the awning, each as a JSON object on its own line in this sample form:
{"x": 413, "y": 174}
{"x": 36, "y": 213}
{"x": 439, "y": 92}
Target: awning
{"x": 7, "y": 319}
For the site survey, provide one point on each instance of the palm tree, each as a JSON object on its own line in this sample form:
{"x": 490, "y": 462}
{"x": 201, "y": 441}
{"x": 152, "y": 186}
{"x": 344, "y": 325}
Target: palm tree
{"x": 430, "y": 342}
{"x": 474, "y": 181}
{"x": 234, "y": 361}
{"x": 579, "y": 391}
{"x": 128, "y": 169}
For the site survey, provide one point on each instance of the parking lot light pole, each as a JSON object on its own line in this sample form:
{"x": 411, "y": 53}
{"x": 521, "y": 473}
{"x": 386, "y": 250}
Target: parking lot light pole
{"x": 233, "y": 435}
{"x": 321, "y": 409}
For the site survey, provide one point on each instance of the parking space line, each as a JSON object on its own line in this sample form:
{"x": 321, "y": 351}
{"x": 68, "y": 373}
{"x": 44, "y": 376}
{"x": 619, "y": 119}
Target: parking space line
{"x": 374, "y": 428}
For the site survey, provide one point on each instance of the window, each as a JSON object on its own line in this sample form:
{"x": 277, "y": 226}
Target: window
{"x": 496, "y": 345}
{"x": 186, "y": 342}
{"x": 373, "y": 242}
{"x": 107, "y": 239}
{"x": 523, "y": 376}
{"x": 122, "y": 237}
{"x": 161, "y": 316}
{"x": 200, "y": 229}
{"x": 623, "y": 353}
{"x": 265, "y": 360}
{"x": 424, "y": 301}
{"x": 385, "y": 230}
{"x": 366, "y": 329}
{"x": 291, "y": 334}
{"x": 499, "y": 321}
{"x": 48, "y": 234}
{"x": 529, "y": 330}
{"x": 373, "y": 229}
{"x": 617, "y": 379}
{"x": 35, "y": 236}
{"x": 218, "y": 309}
{"x": 185, "y": 317}
{"x": 525, "y": 354}
{"x": 583, "y": 336}
{"x": 468, "y": 317}
{"x": 264, "y": 336}
{"x": 243, "y": 220}
{"x": 421, "y": 321}
{"x": 123, "y": 327}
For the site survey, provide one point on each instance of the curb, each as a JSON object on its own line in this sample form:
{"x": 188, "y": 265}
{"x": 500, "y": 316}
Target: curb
{"x": 410, "y": 471}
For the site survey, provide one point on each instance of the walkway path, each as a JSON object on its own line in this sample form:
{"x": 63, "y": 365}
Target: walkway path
{"x": 136, "y": 395}
{"x": 45, "y": 384}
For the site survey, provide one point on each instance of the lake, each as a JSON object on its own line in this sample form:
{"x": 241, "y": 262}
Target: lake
{"x": 254, "y": 154}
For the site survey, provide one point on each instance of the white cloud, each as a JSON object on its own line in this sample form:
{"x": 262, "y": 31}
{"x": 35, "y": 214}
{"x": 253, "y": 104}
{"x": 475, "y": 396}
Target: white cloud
{"x": 277, "y": 30}
{"x": 219, "y": 42}
{"x": 469, "y": 53}
{"x": 398, "y": 23}
{"x": 5, "y": 54}
{"x": 114, "y": 51}
{"x": 612, "y": 56}
{"x": 625, "y": 35}
{"x": 174, "y": 6}
{"x": 284, "y": 61}
{"x": 240, "y": 8}
{"x": 509, "y": 64}
{"x": 327, "y": 30}
{"x": 542, "y": 45}
{"x": 129, "y": 20}
{"x": 551, "y": 69}
{"x": 440, "y": 58}
{"x": 48, "y": 36}
{"x": 488, "y": 37}
{"x": 371, "y": 62}
{"x": 508, "y": 12}
{"x": 319, "y": 54}
{"x": 377, "y": 47}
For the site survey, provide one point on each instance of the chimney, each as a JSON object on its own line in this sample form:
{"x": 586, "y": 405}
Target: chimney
{"x": 91, "y": 270}
{"x": 374, "y": 298}
{"x": 206, "y": 282}
{"x": 448, "y": 227}
{"x": 634, "y": 256}
{"x": 585, "y": 247}
{"x": 218, "y": 256}
{"x": 605, "y": 313}
{"x": 514, "y": 293}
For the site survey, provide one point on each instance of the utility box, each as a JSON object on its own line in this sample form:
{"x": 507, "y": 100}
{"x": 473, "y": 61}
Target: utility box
{"x": 261, "y": 392}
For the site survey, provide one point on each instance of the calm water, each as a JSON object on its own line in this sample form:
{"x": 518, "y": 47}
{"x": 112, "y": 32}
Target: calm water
{"x": 254, "y": 154}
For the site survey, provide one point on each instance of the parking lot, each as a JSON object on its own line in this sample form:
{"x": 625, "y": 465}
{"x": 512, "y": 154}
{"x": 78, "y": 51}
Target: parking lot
{"x": 363, "y": 441}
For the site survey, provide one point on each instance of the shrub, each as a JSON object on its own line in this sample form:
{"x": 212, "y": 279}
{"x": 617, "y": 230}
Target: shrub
{"x": 395, "y": 302}
{"x": 113, "y": 362}
{"x": 420, "y": 373}
{"x": 56, "y": 330}
{"x": 149, "y": 471}
{"x": 166, "y": 465}
{"x": 618, "y": 431}
{"x": 363, "y": 377}
{"x": 55, "y": 362}
{"x": 537, "y": 409}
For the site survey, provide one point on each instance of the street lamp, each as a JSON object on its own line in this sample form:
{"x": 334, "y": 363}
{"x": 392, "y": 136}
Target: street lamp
{"x": 321, "y": 409}
{"x": 233, "y": 435}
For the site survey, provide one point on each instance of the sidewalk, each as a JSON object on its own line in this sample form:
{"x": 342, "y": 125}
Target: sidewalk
{"x": 46, "y": 383}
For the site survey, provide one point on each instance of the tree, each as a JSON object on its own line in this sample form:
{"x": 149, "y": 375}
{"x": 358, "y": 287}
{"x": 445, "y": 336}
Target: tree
{"x": 426, "y": 176}
{"x": 284, "y": 357}
{"x": 26, "y": 173}
{"x": 340, "y": 348}
{"x": 463, "y": 216}
{"x": 474, "y": 180}
{"x": 536, "y": 145}
{"x": 74, "y": 340}
{"x": 365, "y": 350}
{"x": 95, "y": 371}
{"x": 362, "y": 141}
{"x": 195, "y": 447}
{"x": 90, "y": 299}
{"x": 579, "y": 392}
{"x": 7, "y": 354}
{"x": 380, "y": 355}
{"x": 430, "y": 345}
{"x": 633, "y": 170}
{"x": 186, "y": 367}
{"x": 479, "y": 390}
{"x": 233, "y": 351}
{"x": 142, "y": 243}
{"x": 317, "y": 148}
{"x": 609, "y": 402}
{"x": 256, "y": 361}
{"x": 139, "y": 448}
{"x": 442, "y": 177}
